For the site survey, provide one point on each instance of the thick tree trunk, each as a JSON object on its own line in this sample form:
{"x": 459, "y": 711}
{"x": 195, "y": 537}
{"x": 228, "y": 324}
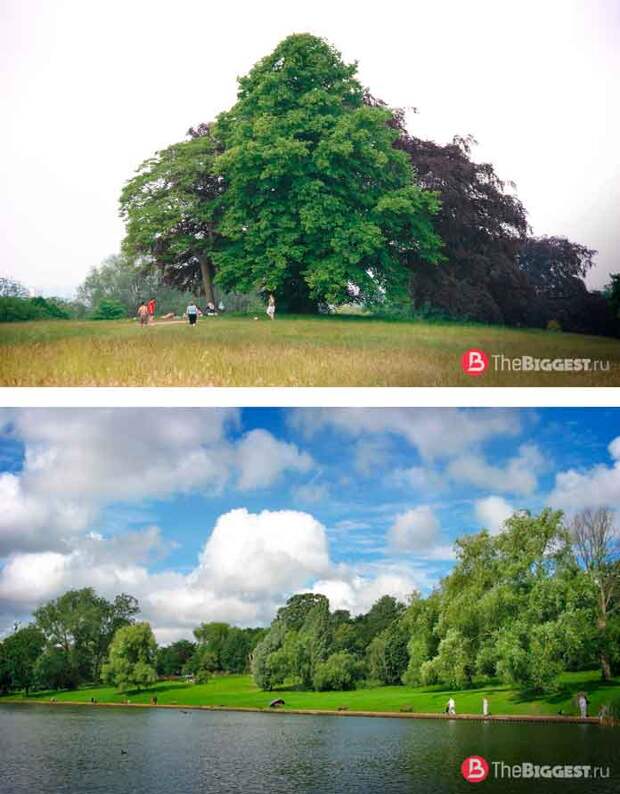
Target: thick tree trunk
{"x": 207, "y": 271}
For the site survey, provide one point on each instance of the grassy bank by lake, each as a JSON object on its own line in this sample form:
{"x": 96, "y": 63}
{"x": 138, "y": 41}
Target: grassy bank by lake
{"x": 239, "y": 691}
{"x": 292, "y": 351}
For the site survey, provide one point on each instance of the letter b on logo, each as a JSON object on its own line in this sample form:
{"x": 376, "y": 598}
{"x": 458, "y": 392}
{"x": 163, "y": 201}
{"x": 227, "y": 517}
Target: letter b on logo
{"x": 475, "y": 769}
{"x": 474, "y": 362}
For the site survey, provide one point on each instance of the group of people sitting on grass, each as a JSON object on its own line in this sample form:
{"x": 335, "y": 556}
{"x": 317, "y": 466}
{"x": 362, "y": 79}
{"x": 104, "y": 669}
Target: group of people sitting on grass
{"x": 146, "y": 311}
{"x": 193, "y": 311}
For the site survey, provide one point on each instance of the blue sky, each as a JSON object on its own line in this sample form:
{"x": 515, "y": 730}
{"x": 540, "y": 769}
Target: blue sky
{"x": 221, "y": 514}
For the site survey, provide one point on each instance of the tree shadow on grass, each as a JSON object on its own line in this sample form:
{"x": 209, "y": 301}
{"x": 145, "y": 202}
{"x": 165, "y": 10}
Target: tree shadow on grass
{"x": 157, "y": 690}
{"x": 564, "y": 692}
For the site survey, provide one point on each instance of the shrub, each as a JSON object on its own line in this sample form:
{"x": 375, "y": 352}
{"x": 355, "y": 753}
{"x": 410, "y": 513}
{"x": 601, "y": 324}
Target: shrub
{"x": 554, "y": 325}
{"x": 338, "y": 672}
{"x": 13, "y": 309}
{"x": 109, "y": 309}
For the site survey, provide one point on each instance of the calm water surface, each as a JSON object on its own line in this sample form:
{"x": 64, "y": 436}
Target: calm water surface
{"x": 78, "y": 750}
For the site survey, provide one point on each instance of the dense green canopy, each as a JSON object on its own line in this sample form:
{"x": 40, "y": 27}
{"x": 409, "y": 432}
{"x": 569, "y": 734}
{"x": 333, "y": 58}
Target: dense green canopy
{"x": 319, "y": 206}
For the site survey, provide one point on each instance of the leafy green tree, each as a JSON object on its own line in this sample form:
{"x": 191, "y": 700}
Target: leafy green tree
{"x": 169, "y": 210}
{"x": 388, "y": 654}
{"x": 173, "y": 659}
{"x": 109, "y": 309}
{"x": 5, "y": 675}
{"x": 81, "y": 625}
{"x": 381, "y": 615}
{"x": 420, "y": 620}
{"x": 237, "y": 649}
{"x": 20, "y": 651}
{"x": 338, "y": 672}
{"x": 212, "y": 637}
{"x": 612, "y": 293}
{"x": 132, "y": 658}
{"x": 53, "y": 670}
{"x": 598, "y": 548}
{"x": 319, "y": 206}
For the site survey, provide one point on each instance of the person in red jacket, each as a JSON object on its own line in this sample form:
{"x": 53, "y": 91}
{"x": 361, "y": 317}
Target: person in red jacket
{"x": 151, "y": 308}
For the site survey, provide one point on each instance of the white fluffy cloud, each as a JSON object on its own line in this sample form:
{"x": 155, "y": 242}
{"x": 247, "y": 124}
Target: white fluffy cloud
{"x": 357, "y": 593}
{"x": 440, "y": 433}
{"x": 518, "y": 475}
{"x": 492, "y": 512}
{"x": 76, "y": 462}
{"x": 261, "y": 459}
{"x": 250, "y": 563}
{"x": 414, "y": 530}
{"x": 271, "y": 551}
{"x": 598, "y": 486}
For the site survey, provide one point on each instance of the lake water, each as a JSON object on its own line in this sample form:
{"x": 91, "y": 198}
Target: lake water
{"x": 78, "y": 750}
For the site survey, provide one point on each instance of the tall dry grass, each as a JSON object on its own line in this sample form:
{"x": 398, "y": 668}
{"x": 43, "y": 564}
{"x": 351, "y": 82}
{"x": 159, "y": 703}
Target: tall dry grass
{"x": 292, "y": 351}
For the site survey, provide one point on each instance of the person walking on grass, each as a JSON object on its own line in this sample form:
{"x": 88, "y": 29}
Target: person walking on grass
{"x": 271, "y": 306}
{"x": 151, "y": 309}
{"x": 451, "y": 706}
{"x": 192, "y": 313}
{"x": 143, "y": 314}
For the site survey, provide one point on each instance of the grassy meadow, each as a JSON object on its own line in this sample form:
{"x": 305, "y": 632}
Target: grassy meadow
{"x": 240, "y": 691}
{"x": 291, "y": 351}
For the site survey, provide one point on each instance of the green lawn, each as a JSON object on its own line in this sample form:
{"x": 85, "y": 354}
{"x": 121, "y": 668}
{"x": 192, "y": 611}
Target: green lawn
{"x": 239, "y": 690}
{"x": 292, "y": 351}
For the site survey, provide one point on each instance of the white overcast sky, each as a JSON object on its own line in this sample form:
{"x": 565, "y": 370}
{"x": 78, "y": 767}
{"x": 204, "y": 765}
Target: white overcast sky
{"x": 90, "y": 89}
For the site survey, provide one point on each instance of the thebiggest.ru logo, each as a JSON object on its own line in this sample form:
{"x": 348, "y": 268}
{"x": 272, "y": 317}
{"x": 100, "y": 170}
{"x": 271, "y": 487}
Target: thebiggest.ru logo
{"x": 474, "y": 361}
{"x": 475, "y": 769}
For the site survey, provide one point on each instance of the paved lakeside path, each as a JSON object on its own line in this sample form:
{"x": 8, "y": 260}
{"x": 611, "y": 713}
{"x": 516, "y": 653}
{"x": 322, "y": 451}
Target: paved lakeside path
{"x": 557, "y": 718}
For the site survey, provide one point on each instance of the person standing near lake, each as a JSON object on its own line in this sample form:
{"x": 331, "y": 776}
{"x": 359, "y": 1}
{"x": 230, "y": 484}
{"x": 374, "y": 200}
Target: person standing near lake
{"x": 192, "y": 313}
{"x": 485, "y": 707}
{"x": 451, "y": 706}
{"x": 143, "y": 313}
{"x": 582, "y": 700}
{"x": 151, "y": 309}
{"x": 271, "y": 306}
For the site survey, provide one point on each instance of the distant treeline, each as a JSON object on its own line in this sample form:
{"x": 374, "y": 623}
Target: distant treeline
{"x": 81, "y": 638}
{"x": 538, "y": 599}
{"x": 111, "y": 291}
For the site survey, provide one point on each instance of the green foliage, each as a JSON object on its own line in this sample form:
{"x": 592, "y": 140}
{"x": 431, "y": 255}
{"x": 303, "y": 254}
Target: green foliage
{"x": 20, "y": 651}
{"x": 127, "y": 282}
{"x": 54, "y": 670}
{"x": 80, "y": 625}
{"x": 131, "y": 663}
{"x": 338, "y": 672}
{"x": 109, "y": 309}
{"x": 172, "y": 659}
{"x": 168, "y": 208}
{"x": 319, "y": 206}
{"x": 19, "y": 309}
{"x": 223, "y": 648}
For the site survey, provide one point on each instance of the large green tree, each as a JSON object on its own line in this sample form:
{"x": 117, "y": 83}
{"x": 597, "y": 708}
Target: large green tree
{"x": 132, "y": 658}
{"x": 597, "y": 544}
{"x": 169, "y": 208}
{"x": 319, "y": 206}
{"x": 81, "y": 625}
{"x": 18, "y": 658}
